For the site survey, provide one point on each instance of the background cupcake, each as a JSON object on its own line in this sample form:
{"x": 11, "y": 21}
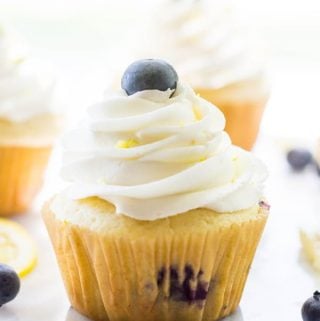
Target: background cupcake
{"x": 28, "y": 126}
{"x": 163, "y": 215}
{"x": 214, "y": 53}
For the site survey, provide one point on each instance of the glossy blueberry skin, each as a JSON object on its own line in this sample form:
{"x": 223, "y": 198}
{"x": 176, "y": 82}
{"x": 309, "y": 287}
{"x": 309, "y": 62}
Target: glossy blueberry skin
{"x": 148, "y": 74}
{"x": 299, "y": 158}
{"x": 311, "y": 308}
{"x": 9, "y": 284}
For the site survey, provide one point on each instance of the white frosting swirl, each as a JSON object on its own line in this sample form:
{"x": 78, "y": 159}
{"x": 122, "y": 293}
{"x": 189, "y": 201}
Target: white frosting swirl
{"x": 23, "y": 93}
{"x": 205, "y": 42}
{"x": 153, "y": 156}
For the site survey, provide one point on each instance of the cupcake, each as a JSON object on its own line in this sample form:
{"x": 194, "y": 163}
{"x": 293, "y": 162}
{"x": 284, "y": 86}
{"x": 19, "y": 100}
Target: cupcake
{"x": 162, "y": 215}
{"x": 212, "y": 51}
{"x": 28, "y": 126}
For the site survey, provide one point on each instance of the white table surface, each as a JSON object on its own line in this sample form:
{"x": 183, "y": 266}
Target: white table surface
{"x": 278, "y": 284}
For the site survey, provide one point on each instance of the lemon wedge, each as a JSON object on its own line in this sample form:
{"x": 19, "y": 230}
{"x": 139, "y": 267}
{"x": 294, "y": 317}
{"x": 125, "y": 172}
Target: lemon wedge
{"x": 17, "y": 249}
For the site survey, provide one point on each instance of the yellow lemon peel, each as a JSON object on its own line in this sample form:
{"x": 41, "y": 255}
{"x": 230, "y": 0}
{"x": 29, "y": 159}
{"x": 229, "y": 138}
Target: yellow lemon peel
{"x": 129, "y": 143}
{"x": 197, "y": 113}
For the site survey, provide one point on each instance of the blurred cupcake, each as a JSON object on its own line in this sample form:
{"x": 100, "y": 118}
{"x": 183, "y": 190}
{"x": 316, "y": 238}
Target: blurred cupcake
{"x": 213, "y": 53}
{"x": 28, "y": 127}
{"x": 163, "y": 215}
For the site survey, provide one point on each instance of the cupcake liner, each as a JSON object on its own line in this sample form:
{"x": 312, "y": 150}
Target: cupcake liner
{"x": 243, "y": 115}
{"x": 195, "y": 276}
{"x": 21, "y": 173}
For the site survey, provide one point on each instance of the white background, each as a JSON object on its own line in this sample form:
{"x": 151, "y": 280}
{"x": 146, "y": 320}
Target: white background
{"x": 87, "y": 41}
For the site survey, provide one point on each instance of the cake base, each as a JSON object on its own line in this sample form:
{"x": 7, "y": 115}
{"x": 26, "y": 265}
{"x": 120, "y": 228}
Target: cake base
{"x": 189, "y": 267}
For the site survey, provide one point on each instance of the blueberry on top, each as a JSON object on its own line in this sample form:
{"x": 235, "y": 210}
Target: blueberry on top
{"x": 9, "y": 284}
{"x": 149, "y": 74}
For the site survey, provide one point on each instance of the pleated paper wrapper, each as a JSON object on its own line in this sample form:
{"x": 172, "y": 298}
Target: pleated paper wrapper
{"x": 243, "y": 116}
{"x": 21, "y": 176}
{"x": 195, "y": 276}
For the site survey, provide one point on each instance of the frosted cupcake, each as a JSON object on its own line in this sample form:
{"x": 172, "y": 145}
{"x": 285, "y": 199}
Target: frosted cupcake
{"x": 28, "y": 127}
{"x": 213, "y": 53}
{"x": 163, "y": 215}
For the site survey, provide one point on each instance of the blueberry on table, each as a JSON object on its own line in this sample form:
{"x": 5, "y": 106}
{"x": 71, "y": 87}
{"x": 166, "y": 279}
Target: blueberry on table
{"x": 9, "y": 284}
{"x": 311, "y": 308}
{"x": 148, "y": 74}
{"x": 299, "y": 158}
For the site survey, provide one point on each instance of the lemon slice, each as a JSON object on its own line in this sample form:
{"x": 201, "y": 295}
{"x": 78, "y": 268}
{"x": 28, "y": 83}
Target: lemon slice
{"x": 311, "y": 245}
{"x": 16, "y": 247}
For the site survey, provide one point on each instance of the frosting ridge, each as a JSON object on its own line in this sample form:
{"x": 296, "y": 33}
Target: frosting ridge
{"x": 153, "y": 156}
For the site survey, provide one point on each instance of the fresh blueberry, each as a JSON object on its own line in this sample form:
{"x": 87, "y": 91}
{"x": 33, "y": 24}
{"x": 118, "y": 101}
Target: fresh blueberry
{"x": 311, "y": 308}
{"x": 299, "y": 158}
{"x": 9, "y": 284}
{"x": 149, "y": 74}
{"x": 188, "y": 287}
